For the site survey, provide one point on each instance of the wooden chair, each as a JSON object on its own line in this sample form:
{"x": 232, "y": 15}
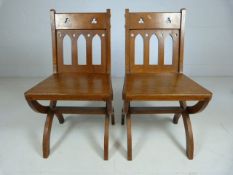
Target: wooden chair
{"x": 160, "y": 82}
{"x": 88, "y": 82}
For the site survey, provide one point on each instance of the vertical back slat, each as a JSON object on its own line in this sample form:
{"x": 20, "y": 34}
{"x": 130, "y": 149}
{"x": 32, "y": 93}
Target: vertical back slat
{"x": 104, "y": 60}
{"x": 74, "y": 50}
{"x": 89, "y": 50}
{"x": 60, "y": 38}
{"x": 146, "y": 50}
{"x": 175, "y": 56}
{"x": 132, "y": 51}
{"x": 161, "y": 50}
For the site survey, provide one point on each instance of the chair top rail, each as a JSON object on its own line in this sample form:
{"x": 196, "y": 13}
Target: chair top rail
{"x": 153, "y": 20}
{"x": 81, "y": 21}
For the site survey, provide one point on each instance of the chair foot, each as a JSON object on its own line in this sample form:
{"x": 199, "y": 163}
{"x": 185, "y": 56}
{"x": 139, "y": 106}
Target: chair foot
{"x": 189, "y": 136}
{"x": 106, "y": 136}
{"x": 129, "y": 137}
{"x": 60, "y": 118}
{"x": 47, "y": 133}
{"x": 122, "y": 117}
{"x": 176, "y": 118}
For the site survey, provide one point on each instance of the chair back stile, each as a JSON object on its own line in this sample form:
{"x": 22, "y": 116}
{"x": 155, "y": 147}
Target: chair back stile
{"x": 74, "y": 26}
{"x": 162, "y": 26}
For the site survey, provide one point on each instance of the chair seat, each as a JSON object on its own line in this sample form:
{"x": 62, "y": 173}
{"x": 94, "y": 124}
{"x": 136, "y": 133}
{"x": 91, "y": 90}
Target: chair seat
{"x": 72, "y": 86}
{"x": 163, "y": 86}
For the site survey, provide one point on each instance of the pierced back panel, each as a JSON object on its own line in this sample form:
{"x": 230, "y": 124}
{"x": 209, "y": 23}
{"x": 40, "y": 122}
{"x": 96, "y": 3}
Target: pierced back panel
{"x": 159, "y": 27}
{"x": 72, "y": 27}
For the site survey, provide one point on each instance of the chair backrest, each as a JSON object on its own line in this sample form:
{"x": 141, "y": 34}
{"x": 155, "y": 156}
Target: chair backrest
{"x": 76, "y": 26}
{"x": 157, "y": 28}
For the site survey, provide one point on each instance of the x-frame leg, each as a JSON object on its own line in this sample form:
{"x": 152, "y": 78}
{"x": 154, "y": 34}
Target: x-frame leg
{"x": 187, "y": 127}
{"x": 47, "y": 133}
{"x": 52, "y": 110}
{"x": 126, "y": 114}
{"x": 110, "y": 112}
{"x": 189, "y": 135}
{"x": 183, "y": 111}
{"x": 48, "y": 126}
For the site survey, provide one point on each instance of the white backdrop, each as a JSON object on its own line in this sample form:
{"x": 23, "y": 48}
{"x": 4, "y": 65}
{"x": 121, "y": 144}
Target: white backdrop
{"x": 25, "y": 42}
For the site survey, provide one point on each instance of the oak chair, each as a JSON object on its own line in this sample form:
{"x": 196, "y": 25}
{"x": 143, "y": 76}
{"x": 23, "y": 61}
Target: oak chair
{"x": 82, "y": 82}
{"x": 161, "y": 81}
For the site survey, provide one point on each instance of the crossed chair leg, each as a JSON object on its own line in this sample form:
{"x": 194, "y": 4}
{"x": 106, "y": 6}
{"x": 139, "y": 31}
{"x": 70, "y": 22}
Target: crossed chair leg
{"x": 183, "y": 111}
{"x": 48, "y": 126}
{"x": 188, "y": 129}
{"x": 126, "y": 114}
{"x": 52, "y": 110}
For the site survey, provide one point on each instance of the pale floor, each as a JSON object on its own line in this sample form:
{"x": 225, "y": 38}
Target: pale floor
{"x": 77, "y": 145}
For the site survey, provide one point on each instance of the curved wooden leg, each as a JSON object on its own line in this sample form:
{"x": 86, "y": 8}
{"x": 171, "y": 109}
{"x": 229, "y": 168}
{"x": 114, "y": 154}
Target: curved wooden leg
{"x": 60, "y": 118}
{"x": 198, "y": 107}
{"x": 46, "y": 136}
{"x": 189, "y": 135}
{"x": 106, "y": 136}
{"x": 129, "y": 137}
{"x": 37, "y": 107}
